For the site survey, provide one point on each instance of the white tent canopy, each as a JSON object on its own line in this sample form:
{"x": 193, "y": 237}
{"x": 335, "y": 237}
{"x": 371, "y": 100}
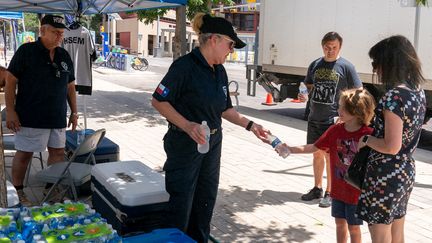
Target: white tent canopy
{"x": 83, "y": 7}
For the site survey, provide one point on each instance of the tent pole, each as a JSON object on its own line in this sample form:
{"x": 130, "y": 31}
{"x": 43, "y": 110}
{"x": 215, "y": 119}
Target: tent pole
{"x": 4, "y": 42}
{"x": 85, "y": 110}
{"x": 23, "y": 24}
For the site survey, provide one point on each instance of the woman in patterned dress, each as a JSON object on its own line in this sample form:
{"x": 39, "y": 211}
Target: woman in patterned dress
{"x": 399, "y": 118}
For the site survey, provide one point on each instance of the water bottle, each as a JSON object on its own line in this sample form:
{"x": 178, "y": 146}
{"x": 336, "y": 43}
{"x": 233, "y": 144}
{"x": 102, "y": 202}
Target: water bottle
{"x": 303, "y": 89}
{"x": 80, "y": 134}
{"x": 277, "y": 144}
{"x": 38, "y": 239}
{"x": 28, "y": 228}
{"x": 204, "y": 148}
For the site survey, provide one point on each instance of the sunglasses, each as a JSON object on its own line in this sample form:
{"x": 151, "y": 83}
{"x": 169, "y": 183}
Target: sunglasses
{"x": 57, "y": 33}
{"x": 231, "y": 42}
{"x": 56, "y": 69}
{"x": 374, "y": 65}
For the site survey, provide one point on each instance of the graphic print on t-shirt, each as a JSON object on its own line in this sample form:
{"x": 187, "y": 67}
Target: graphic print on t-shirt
{"x": 346, "y": 150}
{"x": 325, "y": 86}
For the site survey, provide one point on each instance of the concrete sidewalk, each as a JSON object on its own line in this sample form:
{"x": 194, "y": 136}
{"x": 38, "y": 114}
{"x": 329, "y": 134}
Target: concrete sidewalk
{"x": 259, "y": 192}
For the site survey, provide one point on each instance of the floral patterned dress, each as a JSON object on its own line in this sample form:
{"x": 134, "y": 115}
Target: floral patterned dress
{"x": 389, "y": 179}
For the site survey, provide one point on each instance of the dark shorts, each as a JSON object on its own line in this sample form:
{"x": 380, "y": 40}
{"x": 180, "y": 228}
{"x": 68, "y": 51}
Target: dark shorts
{"x": 346, "y": 211}
{"x": 315, "y": 130}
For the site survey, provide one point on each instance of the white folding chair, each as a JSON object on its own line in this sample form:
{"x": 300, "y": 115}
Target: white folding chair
{"x": 70, "y": 173}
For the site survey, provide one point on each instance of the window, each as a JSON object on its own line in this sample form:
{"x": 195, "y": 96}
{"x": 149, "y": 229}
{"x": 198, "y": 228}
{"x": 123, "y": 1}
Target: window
{"x": 117, "y": 40}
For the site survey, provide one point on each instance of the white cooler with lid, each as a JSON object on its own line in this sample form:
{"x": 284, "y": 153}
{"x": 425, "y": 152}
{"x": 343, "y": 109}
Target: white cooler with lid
{"x": 130, "y": 195}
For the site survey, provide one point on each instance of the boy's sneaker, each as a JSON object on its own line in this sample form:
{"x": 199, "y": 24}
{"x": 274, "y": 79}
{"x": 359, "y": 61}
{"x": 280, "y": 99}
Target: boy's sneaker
{"x": 325, "y": 202}
{"x": 314, "y": 193}
{"x": 23, "y": 199}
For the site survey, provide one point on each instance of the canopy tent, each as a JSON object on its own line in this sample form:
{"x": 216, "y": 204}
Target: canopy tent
{"x": 11, "y": 15}
{"x": 85, "y": 7}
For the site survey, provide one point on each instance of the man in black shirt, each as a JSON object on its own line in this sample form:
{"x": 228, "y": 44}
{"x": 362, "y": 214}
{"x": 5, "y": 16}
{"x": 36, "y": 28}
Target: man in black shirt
{"x": 36, "y": 111}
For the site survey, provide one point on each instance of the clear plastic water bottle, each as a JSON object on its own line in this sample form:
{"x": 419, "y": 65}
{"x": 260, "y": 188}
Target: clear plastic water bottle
{"x": 204, "y": 148}
{"x": 80, "y": 134}
{"x": 37, "y": 238}
{"x": 303, "y": 89}
{"x": 277, "y": 144}
{"x": 28, "y": 228}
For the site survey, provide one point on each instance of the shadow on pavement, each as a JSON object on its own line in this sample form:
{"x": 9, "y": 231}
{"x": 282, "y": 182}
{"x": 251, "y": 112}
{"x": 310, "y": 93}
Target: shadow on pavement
{"x": 123, "y": 107}
{"x": 427, "y": 186}
{"x": 269, "y": 115}
{"x": 239, "y": 200}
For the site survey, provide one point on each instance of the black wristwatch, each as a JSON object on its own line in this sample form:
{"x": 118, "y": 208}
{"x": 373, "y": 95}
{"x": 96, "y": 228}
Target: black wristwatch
{"x": 249, "y": 125}
{"x": 365, "y": 139}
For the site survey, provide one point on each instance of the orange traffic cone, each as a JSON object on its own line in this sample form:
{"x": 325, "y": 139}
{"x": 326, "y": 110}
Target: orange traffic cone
{"x": 269, "y": 100}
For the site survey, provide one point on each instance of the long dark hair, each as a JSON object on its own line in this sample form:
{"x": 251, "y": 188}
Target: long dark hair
{"x": 396, "y": 62}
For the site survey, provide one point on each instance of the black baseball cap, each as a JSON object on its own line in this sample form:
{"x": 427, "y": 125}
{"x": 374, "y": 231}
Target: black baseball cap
{"x": 217, "y": 25}
{"x": 54, "y": 20}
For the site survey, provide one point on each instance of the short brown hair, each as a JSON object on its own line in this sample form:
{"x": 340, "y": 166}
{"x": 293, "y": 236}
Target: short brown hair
{"x": 331, "y": 36}
{"x": 359, "y": 103}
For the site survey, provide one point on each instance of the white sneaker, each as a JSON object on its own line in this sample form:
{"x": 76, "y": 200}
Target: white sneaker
{"x": 325, "y": 202}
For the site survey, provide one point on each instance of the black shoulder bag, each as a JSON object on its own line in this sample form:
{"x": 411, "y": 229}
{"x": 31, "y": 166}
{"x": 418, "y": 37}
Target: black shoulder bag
{"x": 357, "y": 170}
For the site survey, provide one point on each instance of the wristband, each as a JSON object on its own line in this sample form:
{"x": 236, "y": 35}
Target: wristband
{"x": 365, "y": 139}
{"x": 74, "y": 114}
{"x": 249, "y": 125}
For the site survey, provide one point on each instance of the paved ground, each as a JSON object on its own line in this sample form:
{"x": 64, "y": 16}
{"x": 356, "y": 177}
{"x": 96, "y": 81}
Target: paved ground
{"x": 259, "y": 193}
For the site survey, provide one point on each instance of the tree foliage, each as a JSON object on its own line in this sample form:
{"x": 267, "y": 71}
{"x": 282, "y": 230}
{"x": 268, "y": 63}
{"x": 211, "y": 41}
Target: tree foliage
{"x": 31, "y": 21}
{"x": 193, "y": 7}
{"x": 422, "y": 2}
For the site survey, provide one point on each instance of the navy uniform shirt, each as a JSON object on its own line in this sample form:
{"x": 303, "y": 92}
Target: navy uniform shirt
{"x": 196, "y": 90}
{"x": 41, "y": 100}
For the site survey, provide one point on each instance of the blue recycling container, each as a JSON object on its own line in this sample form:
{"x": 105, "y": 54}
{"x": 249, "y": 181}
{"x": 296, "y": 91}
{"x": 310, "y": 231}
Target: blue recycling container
{"x": 170, "y": 235}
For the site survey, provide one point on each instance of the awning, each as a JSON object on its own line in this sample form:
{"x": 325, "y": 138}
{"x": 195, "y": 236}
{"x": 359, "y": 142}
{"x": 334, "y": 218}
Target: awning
{"x": 85, "y": 6}
{"x": 11, "y": 15}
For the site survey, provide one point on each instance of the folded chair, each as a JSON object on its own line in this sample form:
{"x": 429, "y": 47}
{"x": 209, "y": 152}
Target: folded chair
{"x": 71, "y": 174}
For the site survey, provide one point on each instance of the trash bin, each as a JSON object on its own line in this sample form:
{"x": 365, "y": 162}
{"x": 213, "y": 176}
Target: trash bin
{"x": 128, "y": 61}
{"x": 157, "y": 52}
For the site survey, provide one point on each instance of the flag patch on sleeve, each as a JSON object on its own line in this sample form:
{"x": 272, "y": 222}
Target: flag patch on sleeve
{"x": 162, "y": 90}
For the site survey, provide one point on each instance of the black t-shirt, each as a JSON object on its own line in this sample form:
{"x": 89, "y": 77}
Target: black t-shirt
{"x": 41, "y": 100}
{"x": 195, "y": 90}
{"x": 328, "y": 79}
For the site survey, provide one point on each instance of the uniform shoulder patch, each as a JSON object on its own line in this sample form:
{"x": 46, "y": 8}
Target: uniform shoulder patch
{"x": 162, "y": 90}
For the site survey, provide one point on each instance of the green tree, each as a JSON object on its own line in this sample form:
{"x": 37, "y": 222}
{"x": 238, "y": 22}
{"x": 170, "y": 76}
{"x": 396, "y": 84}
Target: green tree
{"x": 95, "y": 24}
{"x": 31, "y": 22}
{"x": 192, "y": 7}
{"x": 422, "y": 2}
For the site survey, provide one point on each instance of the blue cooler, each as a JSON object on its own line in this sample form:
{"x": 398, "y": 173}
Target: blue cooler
{"x": 107, "y": 150}
{"x": 130, "y": 195}
{"x": 160, "y": 236}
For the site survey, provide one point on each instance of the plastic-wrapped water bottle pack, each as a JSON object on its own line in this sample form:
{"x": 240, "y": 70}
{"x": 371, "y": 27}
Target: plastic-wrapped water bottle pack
{"x": 62, "y": 222}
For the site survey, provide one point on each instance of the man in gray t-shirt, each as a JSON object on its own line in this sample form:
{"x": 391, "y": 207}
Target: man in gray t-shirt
{"x": 326, "y": 77}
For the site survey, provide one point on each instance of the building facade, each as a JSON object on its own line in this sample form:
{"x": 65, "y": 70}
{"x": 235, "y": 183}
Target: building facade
{"x": 138, "y": 37}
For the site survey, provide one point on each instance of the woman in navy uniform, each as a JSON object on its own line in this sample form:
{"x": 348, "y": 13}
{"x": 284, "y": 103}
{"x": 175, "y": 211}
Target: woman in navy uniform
{"x": 195, "y": 89}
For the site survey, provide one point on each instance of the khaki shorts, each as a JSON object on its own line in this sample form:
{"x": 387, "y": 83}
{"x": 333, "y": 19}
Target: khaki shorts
{"x": 29, "y": 139}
